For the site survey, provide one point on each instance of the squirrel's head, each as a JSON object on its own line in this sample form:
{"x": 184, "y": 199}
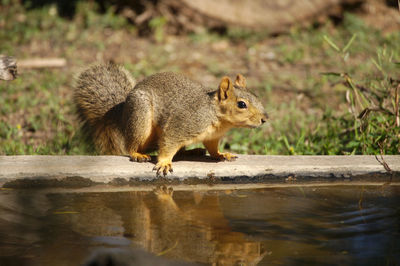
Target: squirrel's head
{"x": 237, "y": 105}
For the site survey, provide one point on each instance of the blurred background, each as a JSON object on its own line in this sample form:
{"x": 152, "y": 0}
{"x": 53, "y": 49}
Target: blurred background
{"x": 327, "y": 71}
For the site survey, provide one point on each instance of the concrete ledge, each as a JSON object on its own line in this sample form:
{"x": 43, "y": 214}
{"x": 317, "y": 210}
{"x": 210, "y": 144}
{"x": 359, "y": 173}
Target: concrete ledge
{"x": 31, "y": 171}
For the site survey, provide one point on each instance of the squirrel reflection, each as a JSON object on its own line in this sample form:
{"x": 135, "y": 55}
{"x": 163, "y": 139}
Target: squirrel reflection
{"x": 192, "y": 227}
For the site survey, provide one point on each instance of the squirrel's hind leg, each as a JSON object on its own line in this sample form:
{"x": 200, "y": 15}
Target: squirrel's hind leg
{"x": 138, "y": 130}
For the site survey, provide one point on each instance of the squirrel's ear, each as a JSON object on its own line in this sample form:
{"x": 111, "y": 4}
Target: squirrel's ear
{"x": 225, "y": 88}
{"x": 240, "y": 81}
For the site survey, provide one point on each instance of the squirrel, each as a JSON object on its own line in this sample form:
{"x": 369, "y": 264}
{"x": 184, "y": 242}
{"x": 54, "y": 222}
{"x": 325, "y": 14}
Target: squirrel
{"x": 166, "y": 110}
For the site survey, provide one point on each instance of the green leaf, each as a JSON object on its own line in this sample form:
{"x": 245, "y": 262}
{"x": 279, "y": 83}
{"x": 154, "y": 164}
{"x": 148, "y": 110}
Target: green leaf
{"x": 331, "y": 43}
{"x": 349, "y": 42}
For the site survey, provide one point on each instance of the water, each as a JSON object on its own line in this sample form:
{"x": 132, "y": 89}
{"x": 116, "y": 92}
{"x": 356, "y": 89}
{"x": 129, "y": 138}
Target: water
{"x": 332, "y": 225}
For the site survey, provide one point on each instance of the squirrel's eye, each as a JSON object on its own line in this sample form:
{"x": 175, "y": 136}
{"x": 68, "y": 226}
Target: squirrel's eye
{"x": 241, "y": 104}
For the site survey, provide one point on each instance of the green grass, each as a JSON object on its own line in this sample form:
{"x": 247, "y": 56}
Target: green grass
{"x": 329, "y": 90}
{"x": 334, "y": 129}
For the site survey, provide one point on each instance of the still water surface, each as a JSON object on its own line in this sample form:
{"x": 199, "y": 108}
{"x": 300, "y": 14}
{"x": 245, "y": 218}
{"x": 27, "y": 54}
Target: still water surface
{"x": 335, "y": 225}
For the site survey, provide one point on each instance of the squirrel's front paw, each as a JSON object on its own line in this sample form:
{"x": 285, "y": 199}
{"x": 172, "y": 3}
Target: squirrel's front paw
{"x": 138, "y": 157}
{"x": 225, "y": 156}
{"x": 163, "y": 191}
{"x": 163, "y": 167}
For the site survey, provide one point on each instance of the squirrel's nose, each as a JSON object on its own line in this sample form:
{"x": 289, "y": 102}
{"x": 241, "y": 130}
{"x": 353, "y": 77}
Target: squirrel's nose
{"x": 264, "y": 119}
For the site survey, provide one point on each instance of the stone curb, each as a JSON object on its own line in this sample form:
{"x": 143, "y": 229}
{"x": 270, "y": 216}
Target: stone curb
{"x": 31, "y": 171}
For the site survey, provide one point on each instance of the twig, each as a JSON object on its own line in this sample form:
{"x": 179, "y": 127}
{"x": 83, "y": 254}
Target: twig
{"x": 8, "y": 67}
{"x": 367, "y": 110}
{"x": 42, "y": 63}
{"x": 383, "y": 163}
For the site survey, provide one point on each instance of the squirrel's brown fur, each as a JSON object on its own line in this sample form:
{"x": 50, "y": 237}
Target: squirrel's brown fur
{"x": 166, "y": 111}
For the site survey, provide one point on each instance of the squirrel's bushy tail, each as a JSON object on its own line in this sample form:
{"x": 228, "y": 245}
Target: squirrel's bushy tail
{"x": 100, "y": 93}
